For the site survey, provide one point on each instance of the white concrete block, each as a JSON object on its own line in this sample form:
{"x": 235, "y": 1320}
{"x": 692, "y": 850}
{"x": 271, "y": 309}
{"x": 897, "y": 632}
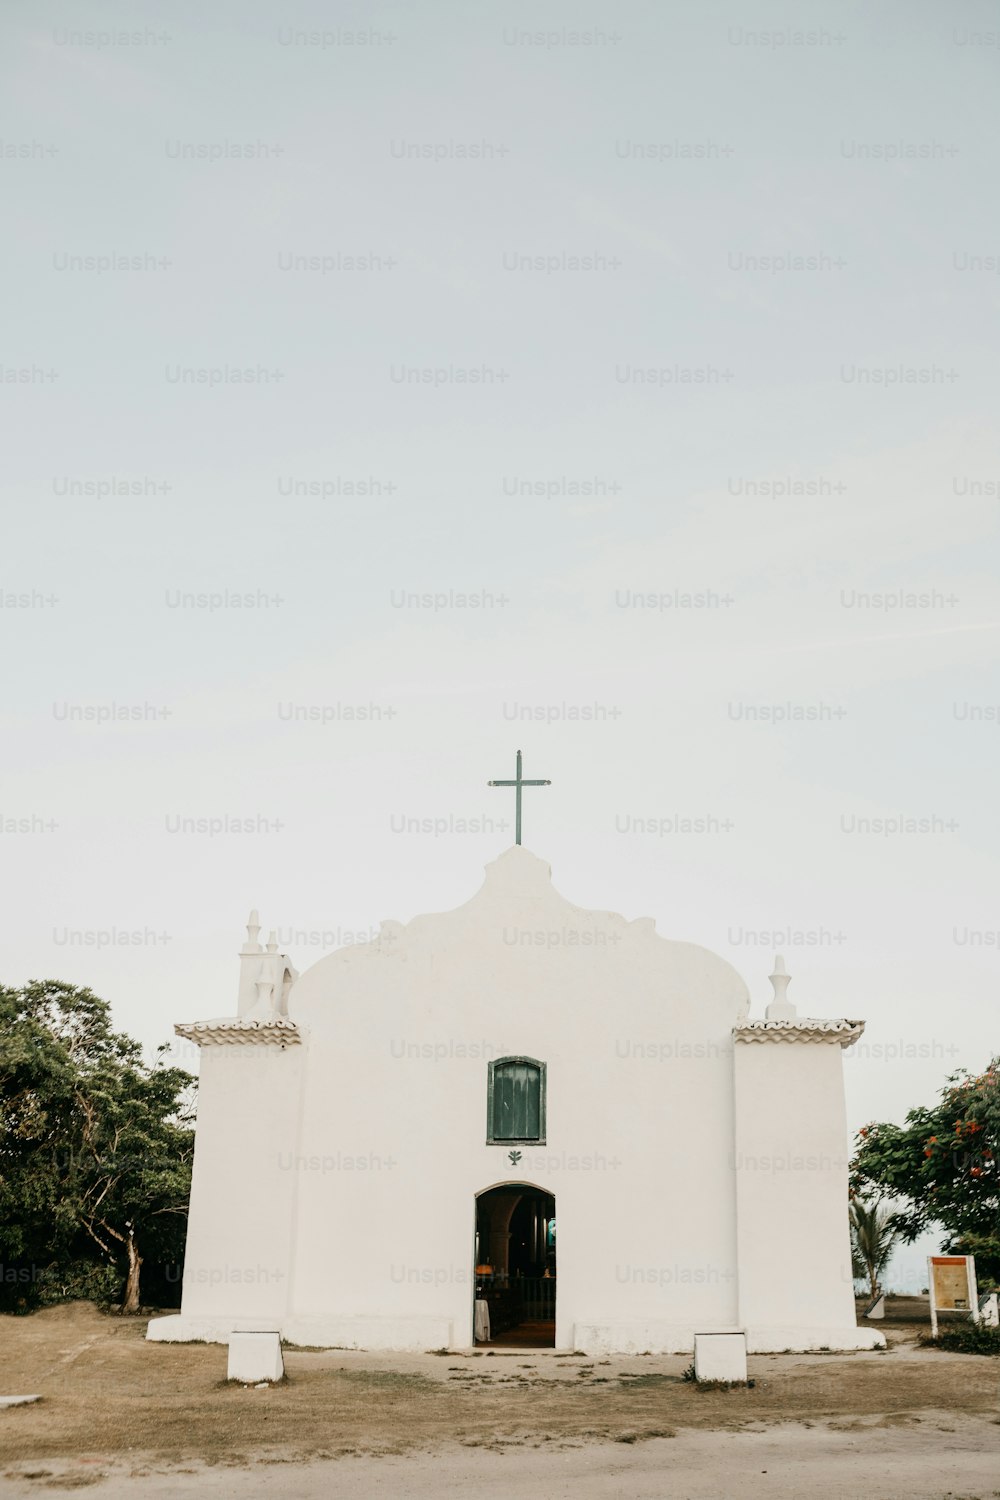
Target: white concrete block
{"x": 720, "y": 1356}
{"x": 255, "y": 1356}
{"x": 989, "y": 1310}
{"x": 876, "y": 1309}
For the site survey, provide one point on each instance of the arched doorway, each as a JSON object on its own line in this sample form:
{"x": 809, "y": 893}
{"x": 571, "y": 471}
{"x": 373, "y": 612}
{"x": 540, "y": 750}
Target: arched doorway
{"x": 515, "y": 1267}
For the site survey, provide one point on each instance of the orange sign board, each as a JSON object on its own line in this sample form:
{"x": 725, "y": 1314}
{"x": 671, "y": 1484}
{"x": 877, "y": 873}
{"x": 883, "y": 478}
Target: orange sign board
{"x": 951, "y": 1283}
{"x": 953, "y": 1286}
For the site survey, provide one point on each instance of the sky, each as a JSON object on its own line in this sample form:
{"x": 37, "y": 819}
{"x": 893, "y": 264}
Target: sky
{"x": 388, "y": 388}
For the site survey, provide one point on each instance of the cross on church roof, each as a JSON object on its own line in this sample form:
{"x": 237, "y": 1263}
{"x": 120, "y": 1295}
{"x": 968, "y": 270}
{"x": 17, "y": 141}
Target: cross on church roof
{"x": 518, "y": 782}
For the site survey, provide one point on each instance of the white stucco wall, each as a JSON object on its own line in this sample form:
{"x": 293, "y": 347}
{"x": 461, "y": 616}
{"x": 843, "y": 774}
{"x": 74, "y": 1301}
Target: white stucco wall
{"x": 791, "y": 1165}
{"x": 365, "y": 1146}
{"x": 406, "y": 1027}
{"x": 238, "y": 1256}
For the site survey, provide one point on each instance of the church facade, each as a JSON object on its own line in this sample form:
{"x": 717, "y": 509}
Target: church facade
{"x": 524, "y": 1121}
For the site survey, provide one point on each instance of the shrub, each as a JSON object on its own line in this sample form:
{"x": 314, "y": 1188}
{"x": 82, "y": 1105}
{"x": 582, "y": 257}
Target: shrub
{"x": 966, "y": 1338}
{"x": 82, "y": 1281}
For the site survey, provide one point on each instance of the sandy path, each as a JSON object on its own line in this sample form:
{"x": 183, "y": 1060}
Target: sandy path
{"x": 943, "y": 1456}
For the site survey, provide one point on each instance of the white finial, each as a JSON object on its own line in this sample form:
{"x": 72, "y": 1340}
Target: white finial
{"x": 780, "y": 1008}
{"x": 253, "y": 927}
{"x": 272, "y": 941}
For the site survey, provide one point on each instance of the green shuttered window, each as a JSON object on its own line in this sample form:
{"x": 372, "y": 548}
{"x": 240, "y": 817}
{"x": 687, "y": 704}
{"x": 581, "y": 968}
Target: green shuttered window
{"x": 516, "y": 1100}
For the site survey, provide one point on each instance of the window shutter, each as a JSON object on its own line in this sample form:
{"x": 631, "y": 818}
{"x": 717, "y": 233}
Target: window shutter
{"x": 517, "y": 1101}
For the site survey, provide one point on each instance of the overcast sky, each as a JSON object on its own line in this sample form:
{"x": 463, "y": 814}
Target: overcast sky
{"x": 567, "y": 308}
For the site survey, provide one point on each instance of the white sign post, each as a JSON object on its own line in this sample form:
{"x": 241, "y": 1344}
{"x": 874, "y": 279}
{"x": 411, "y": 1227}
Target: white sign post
{"x": 952, "y": 1280}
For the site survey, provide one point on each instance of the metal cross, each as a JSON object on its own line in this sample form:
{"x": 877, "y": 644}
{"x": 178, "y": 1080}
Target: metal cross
{"x": 518, "y": 782}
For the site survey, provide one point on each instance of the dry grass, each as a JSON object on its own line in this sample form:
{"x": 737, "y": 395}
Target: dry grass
{"x": 109, "y": 1395}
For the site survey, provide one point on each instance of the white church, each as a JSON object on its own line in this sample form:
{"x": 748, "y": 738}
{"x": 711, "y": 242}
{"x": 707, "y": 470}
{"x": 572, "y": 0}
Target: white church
{"x": 518, "y": 1123}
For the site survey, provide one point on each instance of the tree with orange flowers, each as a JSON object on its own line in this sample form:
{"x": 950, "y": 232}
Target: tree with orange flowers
{"x": 942, "y": 1168}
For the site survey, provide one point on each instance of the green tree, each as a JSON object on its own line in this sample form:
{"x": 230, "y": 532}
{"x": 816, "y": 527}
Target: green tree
{"x": 95, "y": 1145}
{"x": 944, "y": 1166}
{"x": 872, "y": 1241}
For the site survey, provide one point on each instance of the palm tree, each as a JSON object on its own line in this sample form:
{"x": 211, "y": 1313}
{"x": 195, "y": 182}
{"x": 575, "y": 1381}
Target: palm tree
{"x": 872, "y": 1241}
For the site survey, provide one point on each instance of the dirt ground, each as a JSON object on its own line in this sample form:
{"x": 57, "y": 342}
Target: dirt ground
{"x": 117, "y": 1410}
